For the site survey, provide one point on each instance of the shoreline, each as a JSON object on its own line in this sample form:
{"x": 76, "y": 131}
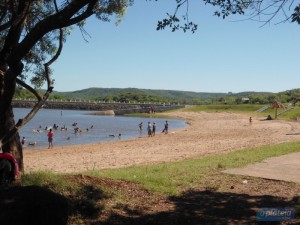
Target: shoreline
{"x": 206, "y": 133}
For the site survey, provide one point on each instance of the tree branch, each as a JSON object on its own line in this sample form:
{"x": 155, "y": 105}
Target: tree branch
{"x": 15, "y": 31}
{"x": 41, "y": 100}
{"x": 48, "y": 24}
{"x": 29, "y": 88}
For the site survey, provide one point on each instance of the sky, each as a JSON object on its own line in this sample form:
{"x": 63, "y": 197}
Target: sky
{"x": 231, "y": 55}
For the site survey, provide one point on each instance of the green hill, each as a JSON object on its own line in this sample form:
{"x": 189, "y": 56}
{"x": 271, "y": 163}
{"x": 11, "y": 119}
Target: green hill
{"x": 92, "y": 93}
{"x": 168, "y": 96}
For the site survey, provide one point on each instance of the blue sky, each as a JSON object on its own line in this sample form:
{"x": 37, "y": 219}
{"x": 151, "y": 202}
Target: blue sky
{"x": 222, "y": 56}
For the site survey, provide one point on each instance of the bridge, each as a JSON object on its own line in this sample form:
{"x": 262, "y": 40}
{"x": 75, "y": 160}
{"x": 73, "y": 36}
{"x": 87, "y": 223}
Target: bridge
{"x": 119, "y": 108}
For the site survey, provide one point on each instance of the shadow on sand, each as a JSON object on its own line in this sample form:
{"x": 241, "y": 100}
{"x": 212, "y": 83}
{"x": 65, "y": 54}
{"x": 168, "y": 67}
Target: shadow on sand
{"x": 205, "y": 207}
{"x": 35, "y": 205}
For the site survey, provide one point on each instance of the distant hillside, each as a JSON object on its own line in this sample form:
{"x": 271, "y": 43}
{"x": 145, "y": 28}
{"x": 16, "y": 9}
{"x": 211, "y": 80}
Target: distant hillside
{"x": 165, "y": 94}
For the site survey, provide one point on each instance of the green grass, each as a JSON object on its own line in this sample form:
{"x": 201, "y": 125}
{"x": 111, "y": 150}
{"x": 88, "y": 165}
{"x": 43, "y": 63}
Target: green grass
{"x": 292, "y": 114}
{"x": 247, "y": 108}
{"x": 222, "y": 107}
{"x": 173, "y": 177}
{"x": 50, "y": 180}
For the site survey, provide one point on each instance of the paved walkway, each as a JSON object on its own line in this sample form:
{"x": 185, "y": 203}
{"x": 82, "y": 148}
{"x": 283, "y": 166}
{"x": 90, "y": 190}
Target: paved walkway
{"x": 286, "y": 167}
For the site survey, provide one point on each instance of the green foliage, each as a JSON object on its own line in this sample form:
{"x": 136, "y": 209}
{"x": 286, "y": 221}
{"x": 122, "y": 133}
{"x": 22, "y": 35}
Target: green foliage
{"x": 110, "y": 93}
{"x": 23, "y": 94}
{"x": 296, "y": 14}
{"x": 171, "y": 96}
{"x": 262, "y": 11}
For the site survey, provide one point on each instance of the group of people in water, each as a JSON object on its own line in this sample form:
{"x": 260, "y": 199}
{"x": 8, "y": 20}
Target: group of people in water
{"x": 50, "y": 136}
{"x": 151, "y": 128}
{"x": 50, "y": 133}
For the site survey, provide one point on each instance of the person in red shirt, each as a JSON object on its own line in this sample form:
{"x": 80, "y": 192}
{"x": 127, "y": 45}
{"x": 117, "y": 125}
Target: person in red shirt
{"x": 50, "y": 138}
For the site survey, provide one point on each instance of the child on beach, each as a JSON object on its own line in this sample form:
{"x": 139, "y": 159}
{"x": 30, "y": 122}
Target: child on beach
{"x": 50, "y": 138}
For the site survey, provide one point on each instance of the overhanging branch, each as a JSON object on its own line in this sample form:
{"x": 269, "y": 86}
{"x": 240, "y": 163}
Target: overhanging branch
{"x": 41, "y": 100}
{"x": 29, "y": 88}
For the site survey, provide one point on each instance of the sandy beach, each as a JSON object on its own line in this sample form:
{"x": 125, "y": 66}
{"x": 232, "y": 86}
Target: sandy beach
{"x": 207, "y": 133}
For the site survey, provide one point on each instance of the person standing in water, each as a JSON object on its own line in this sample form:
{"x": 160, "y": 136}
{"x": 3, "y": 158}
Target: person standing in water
{"x": 153, "y": 129}
{"x": 50, "y": 138}
{"x": 166, "y": 128}
{"x": 141, "y": 126}
{"x": 149, "y": 129}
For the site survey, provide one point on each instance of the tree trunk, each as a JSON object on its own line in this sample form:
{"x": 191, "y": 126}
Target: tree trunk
{"x": 10, "y": 142}
{"x": 13, "y": 146}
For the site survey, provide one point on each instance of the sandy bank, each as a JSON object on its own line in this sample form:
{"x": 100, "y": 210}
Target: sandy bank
{"x": 207, "y": 133}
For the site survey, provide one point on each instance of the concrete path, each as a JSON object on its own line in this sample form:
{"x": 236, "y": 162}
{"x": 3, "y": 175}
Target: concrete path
{"x": 286, "y": 167}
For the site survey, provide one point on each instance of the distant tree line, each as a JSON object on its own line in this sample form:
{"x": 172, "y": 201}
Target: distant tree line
{"x": 290, "y": 96}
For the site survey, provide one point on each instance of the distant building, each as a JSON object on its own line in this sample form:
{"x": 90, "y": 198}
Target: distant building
{"x": 245, "y": 100}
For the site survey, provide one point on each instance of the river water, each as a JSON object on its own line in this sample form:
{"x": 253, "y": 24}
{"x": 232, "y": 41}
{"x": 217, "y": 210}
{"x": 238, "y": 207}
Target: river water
{"x": 94, "y": 128}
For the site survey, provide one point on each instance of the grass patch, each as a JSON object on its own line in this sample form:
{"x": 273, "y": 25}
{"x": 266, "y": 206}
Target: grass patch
{"x": 173, "y": 177}
{"x": 55, "y": 182}
{"x": 225, "y": 108}
{"x": 291, "y": 114}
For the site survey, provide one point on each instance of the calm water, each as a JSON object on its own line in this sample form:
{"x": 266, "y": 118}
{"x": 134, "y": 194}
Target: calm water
{"x": 103, "y": 127}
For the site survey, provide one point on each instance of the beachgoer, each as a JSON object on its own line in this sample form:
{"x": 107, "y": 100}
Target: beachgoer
{"x": 32, "y": 143}
{"x": 153, "y": 129}
{"x": 149, "y": 129}
{"x": 64, "y": 128}
{"x": 166, "y": 128}
{"x": 23, "y": 141}
{"x": 141, "y": 126}
{"x": 50, "y": 138}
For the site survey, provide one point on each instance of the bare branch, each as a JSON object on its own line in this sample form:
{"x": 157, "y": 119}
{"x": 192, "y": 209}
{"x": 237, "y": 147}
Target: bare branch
{"x": 29, "y": 88}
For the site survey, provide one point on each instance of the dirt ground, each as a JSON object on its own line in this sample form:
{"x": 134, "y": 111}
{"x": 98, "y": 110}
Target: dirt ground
{"x": 206, "y": 133}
